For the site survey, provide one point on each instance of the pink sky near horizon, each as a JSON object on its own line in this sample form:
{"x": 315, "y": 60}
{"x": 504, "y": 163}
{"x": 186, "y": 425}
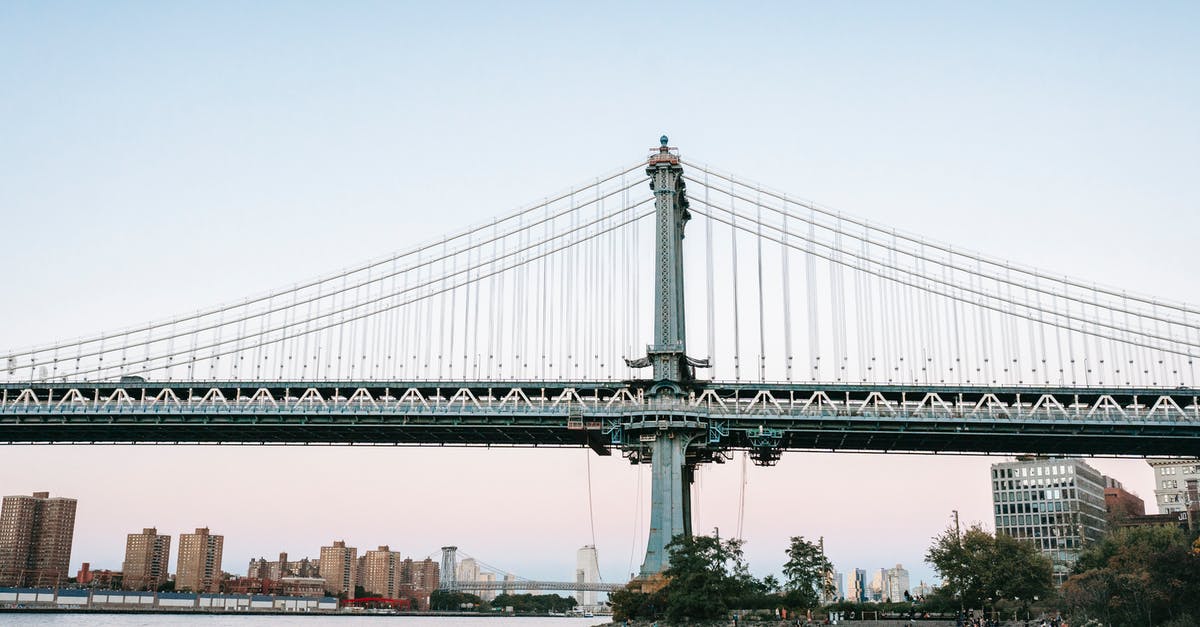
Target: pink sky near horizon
{"x": 522, "y": 510}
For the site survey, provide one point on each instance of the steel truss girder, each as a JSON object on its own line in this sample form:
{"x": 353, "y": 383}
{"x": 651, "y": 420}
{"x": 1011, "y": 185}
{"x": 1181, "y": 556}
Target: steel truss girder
{"x": 966, "y": 419}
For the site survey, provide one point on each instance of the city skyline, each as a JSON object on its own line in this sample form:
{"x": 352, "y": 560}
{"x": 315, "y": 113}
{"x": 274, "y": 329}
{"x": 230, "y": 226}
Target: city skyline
{"x": 543, "y": 567}
{"x": 1036, "y": 133}
{"x": 378, "y": 571}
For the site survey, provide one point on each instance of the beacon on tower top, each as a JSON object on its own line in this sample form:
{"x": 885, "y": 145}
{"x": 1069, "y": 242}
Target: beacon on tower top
{"x": 664, "y": 153}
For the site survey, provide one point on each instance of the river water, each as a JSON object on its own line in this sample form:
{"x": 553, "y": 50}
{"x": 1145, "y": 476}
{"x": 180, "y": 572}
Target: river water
{"x": 302, "y": 620}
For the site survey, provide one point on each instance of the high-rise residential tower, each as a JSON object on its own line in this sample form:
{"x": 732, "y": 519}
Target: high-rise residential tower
{"x": 1054, "y": 502}
{"x": 339, "y": 569}
{"x": 36, "y": 533}
{"x": 423, "y": 575}
{"x": 199, "y": 567}
{"x": 587, "y": 570}
{"x": 147, "y": 557}
{"x": 422, "y": 578}
{"x": 382, "y": 573}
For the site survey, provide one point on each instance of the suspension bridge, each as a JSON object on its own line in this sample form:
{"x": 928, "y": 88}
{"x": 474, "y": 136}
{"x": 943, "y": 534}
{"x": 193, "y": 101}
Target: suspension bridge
{"x": 563, "y": 324}
{"x": 505, "y": 582}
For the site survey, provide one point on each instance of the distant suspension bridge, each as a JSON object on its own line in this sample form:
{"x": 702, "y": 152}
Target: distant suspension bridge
{"x": 507, "y": 582}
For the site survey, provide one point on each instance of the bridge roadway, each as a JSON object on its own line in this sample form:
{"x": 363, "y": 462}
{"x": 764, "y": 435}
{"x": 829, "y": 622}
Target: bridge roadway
{"x": 717, "y": 417}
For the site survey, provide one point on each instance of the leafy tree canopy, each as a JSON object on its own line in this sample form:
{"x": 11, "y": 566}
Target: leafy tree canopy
{"x": 534, "y": 603}
{"x": 452, "y": 601}
{"x": 1137, "y": 576}
{"x": 705, "y": 575}
{"x": 808, "y": 574}
{"x": 978, "y": 566}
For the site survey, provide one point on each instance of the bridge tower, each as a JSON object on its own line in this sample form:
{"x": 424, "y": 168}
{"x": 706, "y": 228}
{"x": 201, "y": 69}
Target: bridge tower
{"x": 662, "y": 438}
{"x": 448, "y": 577}
{"x": 668, "y": 354}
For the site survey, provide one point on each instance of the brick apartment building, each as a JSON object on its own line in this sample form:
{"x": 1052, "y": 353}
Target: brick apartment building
{"x": 36, "y": 533}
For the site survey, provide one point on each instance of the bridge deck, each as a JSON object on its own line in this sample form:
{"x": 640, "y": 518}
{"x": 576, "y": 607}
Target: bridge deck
{"x": 932, "y": 419}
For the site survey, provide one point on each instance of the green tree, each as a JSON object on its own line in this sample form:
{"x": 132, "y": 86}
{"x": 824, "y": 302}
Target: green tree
{"x": 534, "y": 603}
{"x": 446, "y": 600}
{"x": 807, "y": 574}
{"x": 1137, "y": 575}
{"x": 1020, "y": 571}
{"x": 706, "y": 575}
{"x": 631, "y": 604}
{"x": 978, "y": 566}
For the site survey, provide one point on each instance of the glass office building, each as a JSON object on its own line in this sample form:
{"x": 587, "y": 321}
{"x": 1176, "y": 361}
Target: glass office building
{"x": 1055, "y": 503}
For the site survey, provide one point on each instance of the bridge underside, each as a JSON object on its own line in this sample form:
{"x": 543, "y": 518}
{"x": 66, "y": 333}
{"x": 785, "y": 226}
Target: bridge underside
{"x": 831, "y": 434}
{"x": 763, "y": 419}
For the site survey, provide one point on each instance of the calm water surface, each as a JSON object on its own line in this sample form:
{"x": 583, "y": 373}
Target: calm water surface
{"x": 175, "y": 620}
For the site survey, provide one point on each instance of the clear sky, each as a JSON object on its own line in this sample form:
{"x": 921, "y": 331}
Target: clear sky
{"x": 160, "y": 157}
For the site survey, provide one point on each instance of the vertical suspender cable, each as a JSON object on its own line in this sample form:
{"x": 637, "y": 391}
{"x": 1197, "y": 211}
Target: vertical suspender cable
{"x": 1062, "y": 371}
{"x": 1037, "y": 296}
{"x": 837, "y": 303}
{"x": 958, "y": 332}
{"x": 1014, "y": 366}
{"x": 1070, "y": 338}
{"x": 708, "y": 283}
{"x": 442, "y": 320}
{"x": 567, "y": 339}
{"x": 321, "y": 368}
{"x": 784, "y": 252}
{"x": 810, "y": 278}
{"x": 450, "y": 350}
{"x": 426, "y": 307}
{"x": 289, "y": 318}
{"x": 742, "y": 498}
{"x": 762, "y": 332}
{"x": 476, "y": 343}
{"x": 521, "y": 321}
{"x": 587, "y": 453}
{"x": 1033, "y": 344}
{"x": 737, "y": 335}
{"x": 1113, "y": 371}
{"x": 1144, "y": 355}
{"x": 860, "y": 331}
{"x": 596, "y": 311}
{"x": 544, "y": 318}
{"x": 366, "y": 334}
{"x": 1127, "y": 349}
{"x": 869, "y": 310}
{"x": 635, "y": 287}
{"x": 389, "y": 342}
{"x": 931, "y": 313}
{"x": 501, "y": 307}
